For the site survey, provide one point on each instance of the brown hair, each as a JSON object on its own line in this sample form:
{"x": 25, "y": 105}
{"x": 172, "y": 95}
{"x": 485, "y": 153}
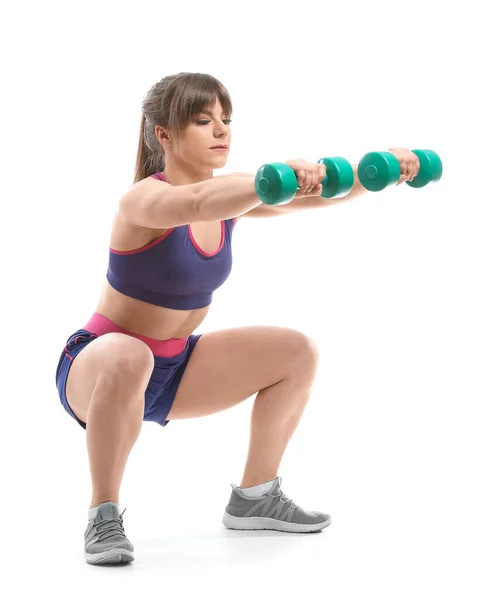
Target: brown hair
{"x": 172, "y": 103}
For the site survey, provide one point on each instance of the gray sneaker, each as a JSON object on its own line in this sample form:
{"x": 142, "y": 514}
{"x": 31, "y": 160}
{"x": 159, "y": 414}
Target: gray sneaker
{"x": 105, "y": 539}
{"x": 273, "y": 510}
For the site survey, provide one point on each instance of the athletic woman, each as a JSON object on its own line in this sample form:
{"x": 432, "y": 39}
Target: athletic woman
{"x": 137, "y": 359}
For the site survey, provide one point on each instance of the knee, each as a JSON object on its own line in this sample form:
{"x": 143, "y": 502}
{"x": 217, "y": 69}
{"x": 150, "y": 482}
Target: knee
{"x": 307, "y": 351}
{"x": 129, "y": 364}
{"x": 311, "y": 351}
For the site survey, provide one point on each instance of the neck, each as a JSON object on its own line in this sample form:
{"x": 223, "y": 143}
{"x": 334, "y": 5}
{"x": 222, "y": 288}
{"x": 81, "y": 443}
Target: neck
{"x": 178, "y": 173}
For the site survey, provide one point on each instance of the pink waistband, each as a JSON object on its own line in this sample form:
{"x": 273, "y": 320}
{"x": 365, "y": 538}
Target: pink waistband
{"x": 99, "y": 325}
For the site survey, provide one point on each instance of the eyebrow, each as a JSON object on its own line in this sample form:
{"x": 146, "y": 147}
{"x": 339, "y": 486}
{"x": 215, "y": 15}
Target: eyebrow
{"x": 209, "y": 112}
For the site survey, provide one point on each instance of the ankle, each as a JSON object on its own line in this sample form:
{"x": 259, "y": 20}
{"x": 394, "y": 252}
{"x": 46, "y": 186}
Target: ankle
{"x": 254, "y": 482}
{"x": 96, "y": 503}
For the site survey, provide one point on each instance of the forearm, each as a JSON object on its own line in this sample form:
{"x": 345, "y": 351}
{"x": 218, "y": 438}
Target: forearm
{"x": 314, "y": 201}
{"x": 225, "y": 197}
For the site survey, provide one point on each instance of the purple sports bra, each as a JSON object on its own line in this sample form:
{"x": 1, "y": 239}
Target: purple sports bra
{"x": 173, "y": 271}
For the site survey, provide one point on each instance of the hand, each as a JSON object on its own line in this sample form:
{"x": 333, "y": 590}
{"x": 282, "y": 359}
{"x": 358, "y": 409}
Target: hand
{"x": 408, "y": 163}
{"x": 309, "y": 177}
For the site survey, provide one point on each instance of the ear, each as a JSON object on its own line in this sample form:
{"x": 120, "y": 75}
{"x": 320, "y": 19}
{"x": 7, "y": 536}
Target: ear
{"x": 162, "y": 134}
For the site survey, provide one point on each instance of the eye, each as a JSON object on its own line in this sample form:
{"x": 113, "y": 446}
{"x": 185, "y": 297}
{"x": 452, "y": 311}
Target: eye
{"x": 204, "y": 122}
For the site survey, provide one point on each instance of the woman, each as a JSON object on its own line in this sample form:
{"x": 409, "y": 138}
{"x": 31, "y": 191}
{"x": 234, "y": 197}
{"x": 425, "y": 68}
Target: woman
{"x": 170, "y": 248}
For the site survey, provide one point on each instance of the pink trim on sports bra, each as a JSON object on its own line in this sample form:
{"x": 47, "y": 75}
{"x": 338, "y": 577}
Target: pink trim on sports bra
{"x": 150, "y": 245}
{"x": 200, "y": 250}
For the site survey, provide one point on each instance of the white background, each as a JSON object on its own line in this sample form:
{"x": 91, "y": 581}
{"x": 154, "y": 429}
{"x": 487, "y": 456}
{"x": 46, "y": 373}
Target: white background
{"x": 399, "y": 290}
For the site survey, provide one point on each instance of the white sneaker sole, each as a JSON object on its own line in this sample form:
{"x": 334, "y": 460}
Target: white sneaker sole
{"x": 267, "y": 523}
{"x": 114, "y": 555}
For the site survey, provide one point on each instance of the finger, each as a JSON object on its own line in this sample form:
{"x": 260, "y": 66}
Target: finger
{"x": 307, "y": 181}
{"x": 417, "y": 166}
{"x": 319, "y": 173}
{"x": 300, "y": 174}
{"x": 410, "y": 166}
{"x": 312, "y": 179}
{"x": 402, "y": 179}
{"x": 405, "y": 169}
{"x": 403, "y": 165}
{"x": 319, "y": 176}
{"x": 322, "y": 172}
{"x": 317, "y": 190}
{"x": 411, "y": 161}
{"x": 315, "y": 177}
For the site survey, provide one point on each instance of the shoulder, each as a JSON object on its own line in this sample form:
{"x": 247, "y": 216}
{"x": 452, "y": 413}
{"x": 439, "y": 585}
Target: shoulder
{"x": 150, "y": 182}
{"x": 153, "y": 180}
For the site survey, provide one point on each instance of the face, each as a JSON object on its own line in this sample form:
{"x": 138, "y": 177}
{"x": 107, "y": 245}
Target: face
{"x": 195, "y": 144}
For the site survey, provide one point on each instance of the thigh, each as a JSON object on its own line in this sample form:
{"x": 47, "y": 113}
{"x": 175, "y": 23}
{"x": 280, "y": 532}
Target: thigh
{"x": 113, "y": 356}
{"x": 231, "y": 365}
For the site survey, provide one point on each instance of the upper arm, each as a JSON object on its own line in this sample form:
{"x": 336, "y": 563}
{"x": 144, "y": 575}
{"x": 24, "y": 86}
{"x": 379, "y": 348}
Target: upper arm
{"x": 158, "y": 205}
{"x": 268, "y": 210}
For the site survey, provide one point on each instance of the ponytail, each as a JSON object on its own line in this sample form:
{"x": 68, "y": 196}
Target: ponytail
{"x": 149, "y": 161}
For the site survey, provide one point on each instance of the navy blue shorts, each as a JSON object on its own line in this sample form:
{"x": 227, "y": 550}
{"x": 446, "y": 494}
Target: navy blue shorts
{"x": 162, "y": 386}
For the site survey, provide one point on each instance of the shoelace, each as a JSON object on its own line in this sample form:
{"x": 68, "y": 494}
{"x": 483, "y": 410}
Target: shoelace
{"x": 110, "y": 527}
{"x": 285, "y": 499}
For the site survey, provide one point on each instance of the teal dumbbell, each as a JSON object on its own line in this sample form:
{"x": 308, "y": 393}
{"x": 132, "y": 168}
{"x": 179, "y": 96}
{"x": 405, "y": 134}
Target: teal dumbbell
{"x": 378, "y": 170}
{"x": 276, "y": 183}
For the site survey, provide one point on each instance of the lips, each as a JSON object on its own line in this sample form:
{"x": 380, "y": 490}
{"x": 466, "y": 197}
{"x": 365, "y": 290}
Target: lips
{"x": 218, "y": 147}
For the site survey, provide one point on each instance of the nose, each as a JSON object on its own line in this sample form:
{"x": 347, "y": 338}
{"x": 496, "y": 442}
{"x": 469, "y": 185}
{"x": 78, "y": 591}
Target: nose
{"x": 221, "y": 128}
